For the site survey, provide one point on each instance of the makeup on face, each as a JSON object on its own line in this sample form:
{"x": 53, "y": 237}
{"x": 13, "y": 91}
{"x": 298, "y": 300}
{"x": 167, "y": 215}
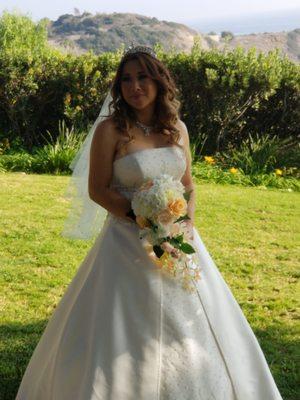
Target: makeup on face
{"x": 138, "y": 88}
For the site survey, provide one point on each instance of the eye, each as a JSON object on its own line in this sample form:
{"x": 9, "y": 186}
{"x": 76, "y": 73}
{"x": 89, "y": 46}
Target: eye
{"x": 125, "y": 79}
{"x": 142, "y": 76}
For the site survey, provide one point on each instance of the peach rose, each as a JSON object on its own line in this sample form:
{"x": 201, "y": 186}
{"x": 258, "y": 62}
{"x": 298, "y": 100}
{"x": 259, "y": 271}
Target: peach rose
{"x": 142, "y": 221}
{"x": 178, "y": 207}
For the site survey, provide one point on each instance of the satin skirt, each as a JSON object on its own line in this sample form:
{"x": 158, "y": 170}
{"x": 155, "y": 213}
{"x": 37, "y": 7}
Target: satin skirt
{"x": 123, "y": 330}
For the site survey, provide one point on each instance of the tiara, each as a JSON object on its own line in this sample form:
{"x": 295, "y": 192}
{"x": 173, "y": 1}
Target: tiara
{"x": 140, "y": 49}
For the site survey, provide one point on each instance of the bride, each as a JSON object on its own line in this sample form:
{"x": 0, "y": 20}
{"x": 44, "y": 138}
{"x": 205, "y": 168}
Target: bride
{"x": 123, "y": 329}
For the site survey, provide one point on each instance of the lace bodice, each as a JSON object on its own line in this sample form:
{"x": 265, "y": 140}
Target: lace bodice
{"x": 130, "y": 171}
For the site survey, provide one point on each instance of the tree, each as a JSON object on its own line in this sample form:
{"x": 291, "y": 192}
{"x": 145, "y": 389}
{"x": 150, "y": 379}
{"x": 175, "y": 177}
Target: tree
{"x": 20, "y": 36}
{"x": 227, "y": 35}
{"x": 24, "y": 53}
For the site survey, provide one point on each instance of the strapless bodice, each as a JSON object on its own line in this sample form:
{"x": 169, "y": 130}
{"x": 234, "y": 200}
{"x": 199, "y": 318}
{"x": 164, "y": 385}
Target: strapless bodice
{"x": 131, "y": 170}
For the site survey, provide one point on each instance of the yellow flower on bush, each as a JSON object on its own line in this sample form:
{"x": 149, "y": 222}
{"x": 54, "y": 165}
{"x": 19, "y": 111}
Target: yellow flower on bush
{"x": 209, "y": 159}
{"x": 278, "y": 171}
{"x": 68, "y": 98}
{"x": 78, "y": 108}
{"x": 233, "y": 170}
{"x": 178, "y": 207}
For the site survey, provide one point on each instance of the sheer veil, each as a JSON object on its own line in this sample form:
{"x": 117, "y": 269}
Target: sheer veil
{"x": 85, "y": 218}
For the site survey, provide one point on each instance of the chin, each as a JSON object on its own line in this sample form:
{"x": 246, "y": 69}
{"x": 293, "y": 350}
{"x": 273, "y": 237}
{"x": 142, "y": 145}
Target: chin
{"x": 140, "y": 106}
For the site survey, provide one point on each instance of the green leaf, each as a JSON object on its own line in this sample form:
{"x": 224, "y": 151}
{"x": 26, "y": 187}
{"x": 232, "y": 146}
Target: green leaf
{"x": 176, "y": 243}
{"x": 154, "y": 227}
{"x": 187, "y": 195}
{"x": 183, "y": 218}
{"x": 187, "y": 248}
{"x": 177, "y": 239}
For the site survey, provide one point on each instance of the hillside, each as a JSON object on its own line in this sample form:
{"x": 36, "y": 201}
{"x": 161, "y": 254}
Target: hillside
{"x": 108, "y": 32}
{"x": 287, "y": 42}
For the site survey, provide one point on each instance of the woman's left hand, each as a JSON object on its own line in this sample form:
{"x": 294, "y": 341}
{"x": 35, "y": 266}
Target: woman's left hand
{"x": 190, "y": 228}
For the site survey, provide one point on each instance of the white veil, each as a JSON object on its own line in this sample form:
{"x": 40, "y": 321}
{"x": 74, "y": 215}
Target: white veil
{"x": 86, "y": 217}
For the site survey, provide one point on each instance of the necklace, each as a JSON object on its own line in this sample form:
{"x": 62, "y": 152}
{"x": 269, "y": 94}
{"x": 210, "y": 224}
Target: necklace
{"x": 146, "y": 129}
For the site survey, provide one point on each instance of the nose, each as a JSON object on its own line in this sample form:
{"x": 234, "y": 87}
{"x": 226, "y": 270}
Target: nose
{"x": 135, "y": 85}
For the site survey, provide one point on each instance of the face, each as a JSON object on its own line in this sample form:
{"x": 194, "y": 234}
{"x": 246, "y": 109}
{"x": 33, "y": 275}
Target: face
{"x": 138, "y": 89}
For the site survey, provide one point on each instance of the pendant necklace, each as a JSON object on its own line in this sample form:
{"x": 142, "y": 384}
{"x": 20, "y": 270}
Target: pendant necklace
{"x": 146, "y": 129}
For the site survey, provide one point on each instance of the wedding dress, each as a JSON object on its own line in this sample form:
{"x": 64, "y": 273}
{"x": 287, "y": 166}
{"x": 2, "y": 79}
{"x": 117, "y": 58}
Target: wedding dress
{"x": 125, "y": 331}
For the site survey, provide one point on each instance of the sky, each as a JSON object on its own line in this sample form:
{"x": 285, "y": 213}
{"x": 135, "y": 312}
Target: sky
{"x": 169, "y": 10}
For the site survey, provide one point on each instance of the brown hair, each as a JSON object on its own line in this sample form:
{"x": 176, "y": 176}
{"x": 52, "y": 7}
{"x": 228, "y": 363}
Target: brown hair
{"x": 166, "y": 107}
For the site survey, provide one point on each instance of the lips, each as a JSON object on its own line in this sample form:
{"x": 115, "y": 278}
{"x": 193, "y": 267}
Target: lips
{"x": 137, "y": 96}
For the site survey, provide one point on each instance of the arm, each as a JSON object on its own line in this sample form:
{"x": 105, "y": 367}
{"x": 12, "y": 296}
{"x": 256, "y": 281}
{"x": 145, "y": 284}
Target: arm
{"x": 101, "y": 168}
{"x": 187, "y": 179}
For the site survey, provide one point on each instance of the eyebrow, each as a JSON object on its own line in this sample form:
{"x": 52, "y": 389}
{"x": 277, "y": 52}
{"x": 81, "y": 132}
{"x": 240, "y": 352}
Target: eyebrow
{"x": 139, "y": 72}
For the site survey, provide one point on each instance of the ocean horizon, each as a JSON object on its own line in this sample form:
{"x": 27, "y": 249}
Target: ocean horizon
{"x": 275, "y": 21}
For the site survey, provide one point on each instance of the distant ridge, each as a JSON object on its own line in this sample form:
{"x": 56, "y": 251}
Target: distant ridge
{"x": 108, "y": 32}
{"x": 287, "y": 42}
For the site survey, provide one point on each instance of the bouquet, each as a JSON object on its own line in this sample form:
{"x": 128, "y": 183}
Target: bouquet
{"x": 160, "y": 206}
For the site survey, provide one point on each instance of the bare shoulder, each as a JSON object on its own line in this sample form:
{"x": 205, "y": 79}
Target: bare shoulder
{"x": 103, "y": 144}
{"x": 184, "y": 134}
{"x": 180, "y": 124}
{"x": 106, "y": 130}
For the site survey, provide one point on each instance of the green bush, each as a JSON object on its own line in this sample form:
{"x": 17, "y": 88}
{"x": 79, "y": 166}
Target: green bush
{"x": 261, "y": 155}
{"x": 203, "y": 171}
{"x": 56, "y": 156}
{"x": 53, "y": 158}
{"x": 230, "y": 96}
{"x": 225, "y": 97}
{"x": 17, "y": 162}
{"x": 255, "y": 163}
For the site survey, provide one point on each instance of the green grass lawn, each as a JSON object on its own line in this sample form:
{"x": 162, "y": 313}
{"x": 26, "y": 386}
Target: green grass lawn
{"x": 251, "y": 234}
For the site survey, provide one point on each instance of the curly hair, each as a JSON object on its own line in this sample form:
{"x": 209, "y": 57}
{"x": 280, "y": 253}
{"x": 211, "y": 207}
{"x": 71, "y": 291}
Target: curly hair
{"x": 167, "y": 104}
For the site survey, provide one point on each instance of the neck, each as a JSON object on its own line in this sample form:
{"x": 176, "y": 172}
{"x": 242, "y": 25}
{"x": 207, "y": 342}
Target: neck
{"x": 146, "y": 116}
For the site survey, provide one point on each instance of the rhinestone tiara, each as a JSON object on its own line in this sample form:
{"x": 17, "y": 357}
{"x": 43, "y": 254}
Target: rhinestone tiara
{"x": 143, "y": 49}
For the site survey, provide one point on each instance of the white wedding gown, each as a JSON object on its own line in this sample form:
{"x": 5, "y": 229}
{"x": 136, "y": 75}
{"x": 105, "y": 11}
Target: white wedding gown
{"x": 125, "y": 331}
